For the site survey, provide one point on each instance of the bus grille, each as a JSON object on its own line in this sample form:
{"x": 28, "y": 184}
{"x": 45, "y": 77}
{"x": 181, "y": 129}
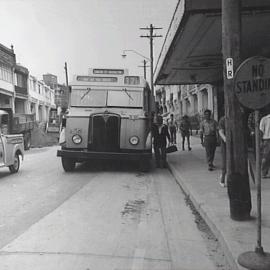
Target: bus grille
{"x": 105, "y": 133}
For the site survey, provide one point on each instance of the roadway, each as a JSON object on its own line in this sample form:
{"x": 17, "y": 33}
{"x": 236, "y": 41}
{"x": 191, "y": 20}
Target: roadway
{"x": 101, "y": 216}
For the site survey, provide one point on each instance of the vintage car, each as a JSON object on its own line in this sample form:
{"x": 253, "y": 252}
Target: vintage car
{"x": 11, "y": 151}
{"x": 11, "y": 147}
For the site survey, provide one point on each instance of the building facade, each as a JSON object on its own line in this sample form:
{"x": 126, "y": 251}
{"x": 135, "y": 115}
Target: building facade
{"x": 7, "y": 66}
{"x": 21, "y": 89}
{"x": 50, "y": 80}
{"x": 21, "y": 92}
{"x": 41, "y": 99}
{"x": 191, "y": 100}
{"x": 60, "y": 91}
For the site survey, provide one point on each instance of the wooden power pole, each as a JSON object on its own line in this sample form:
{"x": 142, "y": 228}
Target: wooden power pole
{"x": 151, "y": 36}
{"x": 237, "y": 172}
{"x": 67, "y": 86}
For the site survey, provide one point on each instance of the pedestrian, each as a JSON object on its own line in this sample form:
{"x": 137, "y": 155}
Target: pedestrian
{"x": 160, "y": 134}
{"x": 172, "y": 128}
{"x": 251, "y": 130}
{"x": 265, "y": 131}
{"x": 185, "y": 129}
{"x": 208, "y": 135}
{"x": 222, "y": 135}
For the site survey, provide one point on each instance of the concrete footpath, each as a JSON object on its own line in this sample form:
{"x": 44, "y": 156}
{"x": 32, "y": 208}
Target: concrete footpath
{"x": 211, "y": 201}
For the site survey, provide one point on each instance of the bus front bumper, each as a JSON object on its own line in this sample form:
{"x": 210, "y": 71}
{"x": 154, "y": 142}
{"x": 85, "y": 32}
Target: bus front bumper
{"x": 86, "y": 155}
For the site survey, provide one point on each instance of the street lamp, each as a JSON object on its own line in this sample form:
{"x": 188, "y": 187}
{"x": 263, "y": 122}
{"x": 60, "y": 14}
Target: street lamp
{"x": 124, "y": 55}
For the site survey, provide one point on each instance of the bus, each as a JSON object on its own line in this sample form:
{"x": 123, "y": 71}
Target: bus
{"x": 109, "y": 117}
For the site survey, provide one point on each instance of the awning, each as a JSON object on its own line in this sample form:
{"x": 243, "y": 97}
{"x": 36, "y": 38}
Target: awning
{"x": 6, "y": 92}
{"x": 192, "y": 50}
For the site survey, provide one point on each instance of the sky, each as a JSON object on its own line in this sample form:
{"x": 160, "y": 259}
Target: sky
{"x": 84, "y": 33}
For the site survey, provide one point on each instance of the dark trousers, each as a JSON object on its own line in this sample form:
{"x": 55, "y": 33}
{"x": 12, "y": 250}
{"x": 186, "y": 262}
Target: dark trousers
{"x": 185, "y": 135}
{"x": 210, "y": 144}
{"x": 223, "y": 160}
{"x": 160, "y": 155}
{"x": 173, "y": 134}
{"x": 265, "y": 157}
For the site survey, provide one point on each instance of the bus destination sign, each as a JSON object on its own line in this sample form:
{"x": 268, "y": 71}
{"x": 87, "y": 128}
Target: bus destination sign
{"x": 252, "y": 82}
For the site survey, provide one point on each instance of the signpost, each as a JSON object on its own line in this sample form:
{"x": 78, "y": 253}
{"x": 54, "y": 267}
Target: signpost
{"x": 252, "y": 88}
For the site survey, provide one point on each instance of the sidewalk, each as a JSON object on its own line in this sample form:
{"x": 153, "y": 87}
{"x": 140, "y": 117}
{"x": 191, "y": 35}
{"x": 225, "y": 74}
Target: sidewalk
{"x": 211, "y": 201}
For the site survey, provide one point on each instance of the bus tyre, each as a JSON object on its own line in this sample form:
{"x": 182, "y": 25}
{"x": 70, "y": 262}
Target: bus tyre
{"x": 145, "y": 165}
{"x": 14, "y": 168}
{"x": 27, "y": 141}
{"x": 68, "y": 164}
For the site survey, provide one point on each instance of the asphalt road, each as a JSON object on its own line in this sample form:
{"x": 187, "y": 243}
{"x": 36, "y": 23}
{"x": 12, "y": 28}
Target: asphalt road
{"x": 101, "y": 216}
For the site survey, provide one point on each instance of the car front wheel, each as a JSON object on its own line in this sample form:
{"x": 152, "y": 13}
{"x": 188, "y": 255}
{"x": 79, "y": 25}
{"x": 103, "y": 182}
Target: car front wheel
{"x": 14, "y": 168}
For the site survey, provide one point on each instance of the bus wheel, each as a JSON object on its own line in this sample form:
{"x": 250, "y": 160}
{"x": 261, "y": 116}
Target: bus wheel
{"x": 68, "y": 164}
{"x": 145, "y": 165}
{"x": 14, "y": 168}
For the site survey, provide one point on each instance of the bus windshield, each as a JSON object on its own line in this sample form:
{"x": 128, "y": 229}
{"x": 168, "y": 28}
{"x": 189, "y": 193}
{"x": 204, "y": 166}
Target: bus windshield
{"x": 86, "y": 98}
{"x": 124, "y": 98}
{"x": 106, "y": 98}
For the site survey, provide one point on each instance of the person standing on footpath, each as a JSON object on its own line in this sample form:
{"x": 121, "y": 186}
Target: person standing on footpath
{"x": 208, "y": 135}
{"x": 265, "y": 132}
{"x": 172, "y": 128}
{"x": 160, "y": 134}
{"x": 222, "y": 134}
{"x": 185, "y": 128}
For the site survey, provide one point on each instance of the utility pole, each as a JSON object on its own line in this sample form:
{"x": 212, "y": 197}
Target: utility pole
{"x": 144, "y": 68}
{"x": 236, "y": 147}
{"x": 151, "y": 36}
{"x": 66, "y": 74}
{"x": 144, "y": 61}
{"x": 68, "y": 92}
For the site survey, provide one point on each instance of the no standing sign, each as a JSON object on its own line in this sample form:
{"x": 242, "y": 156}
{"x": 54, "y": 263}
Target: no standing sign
{"x": 252, "y": 82}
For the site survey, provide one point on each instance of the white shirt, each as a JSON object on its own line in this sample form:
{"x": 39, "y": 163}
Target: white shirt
{"x": 265, "y": 127}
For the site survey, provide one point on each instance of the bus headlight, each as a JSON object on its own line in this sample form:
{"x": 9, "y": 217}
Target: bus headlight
{"x": 77, "y": 139}
{"x": 134, "y": 140}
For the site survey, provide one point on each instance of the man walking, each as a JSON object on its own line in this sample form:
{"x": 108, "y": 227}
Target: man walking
{"x": 160, "y": 133}
{"x": 172, "y": 128}
{"x": 208, "y": 135}
{"x": 185, "y": 128}
{"x": 265, "y": 130}
{"x": 222, "y": 134}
